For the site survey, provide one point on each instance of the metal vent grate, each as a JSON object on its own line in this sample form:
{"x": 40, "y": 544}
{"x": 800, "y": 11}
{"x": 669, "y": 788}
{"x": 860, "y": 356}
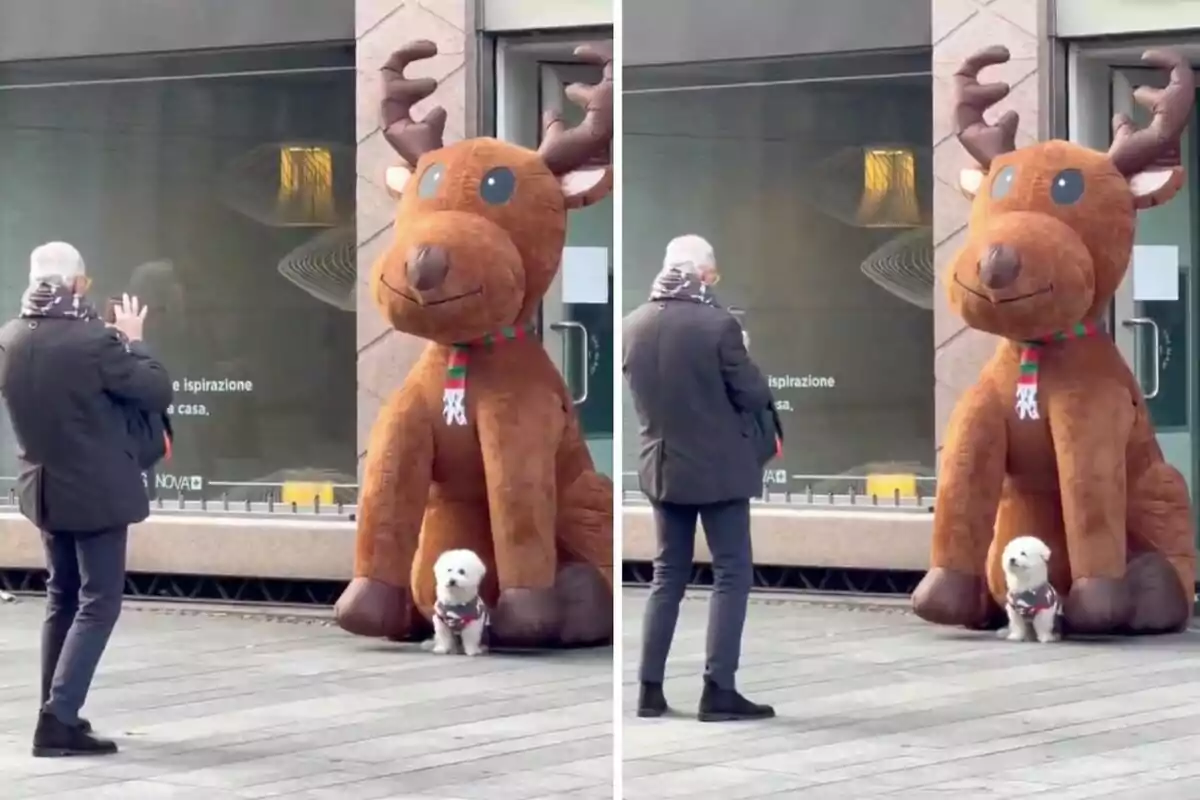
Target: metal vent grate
{"x": 199, "y": 588}
{"x": 831, "y": 580}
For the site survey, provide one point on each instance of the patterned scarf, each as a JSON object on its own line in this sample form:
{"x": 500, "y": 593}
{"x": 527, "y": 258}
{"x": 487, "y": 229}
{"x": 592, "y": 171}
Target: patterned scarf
{"x": 1027, "y": 377}
{"x": 675, "y": 284}
{"x": 454, "y": 395}
{"x": 48, "y": 300}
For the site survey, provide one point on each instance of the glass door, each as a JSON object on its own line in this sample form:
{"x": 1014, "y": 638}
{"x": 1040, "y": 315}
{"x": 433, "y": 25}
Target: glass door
{"x": 532, "y": 74}
{"x": 1154, "y": 319}
{"x": 577, "y": 314}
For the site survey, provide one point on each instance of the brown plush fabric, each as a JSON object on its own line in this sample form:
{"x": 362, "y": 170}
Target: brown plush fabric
{"x": 516, "y": 483}
{"x": 1087, "y": 475}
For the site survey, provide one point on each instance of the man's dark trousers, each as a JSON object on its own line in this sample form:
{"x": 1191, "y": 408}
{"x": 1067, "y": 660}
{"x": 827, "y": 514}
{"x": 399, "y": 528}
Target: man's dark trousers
{"x": 83, "y": 601}
{"x": 727, "y": 530}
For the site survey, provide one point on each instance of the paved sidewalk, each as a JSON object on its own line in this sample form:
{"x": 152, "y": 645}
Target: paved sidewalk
{"x": 212, "y": 707}
{"x": 873, "y": 702}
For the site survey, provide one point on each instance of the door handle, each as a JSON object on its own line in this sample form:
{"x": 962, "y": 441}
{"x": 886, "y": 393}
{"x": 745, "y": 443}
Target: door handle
{"x": 1147, "y": 322}
{"x": 563, "y": 327}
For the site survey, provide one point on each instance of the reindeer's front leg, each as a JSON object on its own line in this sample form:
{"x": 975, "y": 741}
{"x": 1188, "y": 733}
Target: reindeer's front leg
{"x": 396, "y": 481}
{"x": 970, "y": 480}
{"x": 1090, "y": 436}
{"x": 519, "y": 434}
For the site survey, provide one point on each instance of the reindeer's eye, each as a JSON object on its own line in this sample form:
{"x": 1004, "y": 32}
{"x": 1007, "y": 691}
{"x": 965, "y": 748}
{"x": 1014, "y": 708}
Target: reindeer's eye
{"x": 431, "y": 180}
{"x": 1003, "y": 182}
{"x": 497, "y": 186}
{"x": 1067, "y": 187}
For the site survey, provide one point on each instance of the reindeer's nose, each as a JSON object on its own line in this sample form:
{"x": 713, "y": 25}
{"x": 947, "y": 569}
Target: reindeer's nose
{"x": 999, "y": 267}
{"x": 427, "y": 267}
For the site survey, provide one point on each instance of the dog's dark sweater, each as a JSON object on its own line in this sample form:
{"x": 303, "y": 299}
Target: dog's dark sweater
{"x": 1031, "y": 601}
{"x": 457, "y": 616}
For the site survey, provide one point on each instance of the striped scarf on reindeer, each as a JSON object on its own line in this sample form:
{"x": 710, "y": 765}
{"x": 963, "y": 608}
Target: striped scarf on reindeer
{"x": 454, "y": 395}
{"x": 1027, "y": 376}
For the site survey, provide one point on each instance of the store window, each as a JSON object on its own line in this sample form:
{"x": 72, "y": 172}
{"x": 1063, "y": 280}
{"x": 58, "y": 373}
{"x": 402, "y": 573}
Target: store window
{"x": 812, "y": 179}
{"x": 219, "y": 188}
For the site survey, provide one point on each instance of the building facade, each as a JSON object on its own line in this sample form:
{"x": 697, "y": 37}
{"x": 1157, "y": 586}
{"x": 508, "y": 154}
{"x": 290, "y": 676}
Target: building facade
{"x": 225, "y": 163}
{"x": 873, "y": 446}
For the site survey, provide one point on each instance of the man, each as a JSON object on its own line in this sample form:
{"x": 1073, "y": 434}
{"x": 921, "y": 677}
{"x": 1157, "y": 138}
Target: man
{"x": 69, "y": 381}
{"x": 698, "y": 398}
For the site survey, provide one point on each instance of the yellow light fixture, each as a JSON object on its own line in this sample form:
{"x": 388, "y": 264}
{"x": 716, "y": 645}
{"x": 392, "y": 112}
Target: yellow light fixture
{"x": 306, "y": 493}
{"x": 306, "y": 185}
{"x": 889, "y": 196}
{"x": 888, "y": 486}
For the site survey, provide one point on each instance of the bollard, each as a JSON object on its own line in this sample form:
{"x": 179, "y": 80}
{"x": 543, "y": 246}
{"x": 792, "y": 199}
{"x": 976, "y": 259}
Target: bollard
{"x": 896, "y": 492}
{"x": 158, "y": 501}
{"x": 294, "y": 508}
{"x": 224, "y": 501}
{"x": 808, "y": 493}
{"x": 874, "y": 499}
{"x": 270, "y": 502}
{"x": 181, "y": 501}
{"x": 340, "y": 508}
{"x": 203, "y": 503}
{"x": 853, "y": 499}
{"x": 316, "y": 504}
{"x": 247, "y": 502}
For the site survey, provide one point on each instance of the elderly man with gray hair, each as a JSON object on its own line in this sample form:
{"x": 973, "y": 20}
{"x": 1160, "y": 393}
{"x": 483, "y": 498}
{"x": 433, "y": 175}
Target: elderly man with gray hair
{"x": 70, "y": 382}
{"x": 698, "y": 398}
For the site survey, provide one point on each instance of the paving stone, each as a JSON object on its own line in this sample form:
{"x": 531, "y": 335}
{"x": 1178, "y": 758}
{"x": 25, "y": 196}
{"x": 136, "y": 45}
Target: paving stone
{"x": 219, "y": 706}
{"x": 873, "y": 702}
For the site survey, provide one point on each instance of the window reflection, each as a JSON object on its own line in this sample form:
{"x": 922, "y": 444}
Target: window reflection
{"x": 225, "y": 200}
{"x": 813, "y": 180}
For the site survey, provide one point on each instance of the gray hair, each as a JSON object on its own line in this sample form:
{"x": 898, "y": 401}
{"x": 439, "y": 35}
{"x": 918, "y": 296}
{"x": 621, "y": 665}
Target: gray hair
{"x": 689, "y": 255}
{"x": 55, "y": 263}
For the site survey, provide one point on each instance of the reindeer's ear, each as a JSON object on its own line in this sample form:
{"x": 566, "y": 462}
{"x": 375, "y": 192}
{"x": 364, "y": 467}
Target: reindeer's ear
{"x": 1153, "y": 187}
{"x": 585, "y": 186}
{"x": 397, "y": 178}
{"x": 969, "y": 181}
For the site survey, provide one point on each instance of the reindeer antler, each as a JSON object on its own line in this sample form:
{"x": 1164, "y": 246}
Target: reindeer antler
{"x": 407, "y": 137}
{"x": 1133, "y": 150}
{"x": 564, "y": 149}
{"x": 983, "y": 141}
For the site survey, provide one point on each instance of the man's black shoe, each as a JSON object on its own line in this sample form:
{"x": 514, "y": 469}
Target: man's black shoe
{"x": 651, "y": 700}
{"x": 56, "y": 739}
{"x": 727, "y": 705}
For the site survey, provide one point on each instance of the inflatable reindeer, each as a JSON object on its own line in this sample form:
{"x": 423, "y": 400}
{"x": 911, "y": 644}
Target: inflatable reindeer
{"x": 481, "y": 447}
{"x": 1054, "y": 440}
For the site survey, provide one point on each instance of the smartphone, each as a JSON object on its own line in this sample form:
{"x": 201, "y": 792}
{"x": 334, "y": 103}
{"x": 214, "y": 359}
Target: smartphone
{"x": 110, "y": 309}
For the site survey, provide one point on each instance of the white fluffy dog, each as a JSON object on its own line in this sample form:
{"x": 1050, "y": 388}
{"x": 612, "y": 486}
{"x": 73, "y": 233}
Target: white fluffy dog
{"x": 459, "y": 615}
{"x": 1032, "y": 604}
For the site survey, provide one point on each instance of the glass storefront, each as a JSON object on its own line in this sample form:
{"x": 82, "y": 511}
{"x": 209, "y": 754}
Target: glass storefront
{"x": 219, "y": 188}
{"x": 812, "y": 179}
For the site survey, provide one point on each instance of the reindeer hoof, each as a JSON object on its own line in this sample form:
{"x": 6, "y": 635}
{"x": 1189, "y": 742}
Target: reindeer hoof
{"x": 949, "y": 597}
{"x": 526, "y": 618}
{"x": 586, "y": 605}
{"x": 1097, "y": 606}
{"x": 1160, "y": 604}
{"x": 373, "y": 608}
